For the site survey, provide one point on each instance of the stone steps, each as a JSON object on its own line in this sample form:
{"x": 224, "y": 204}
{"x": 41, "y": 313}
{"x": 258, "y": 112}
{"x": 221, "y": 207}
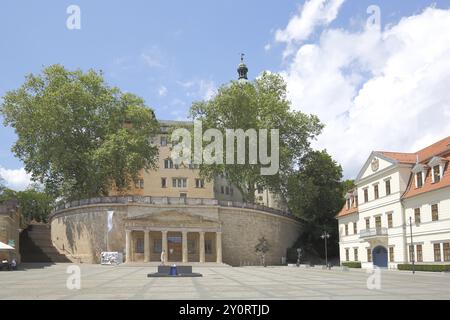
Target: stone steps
{"x": 36, "y": 245}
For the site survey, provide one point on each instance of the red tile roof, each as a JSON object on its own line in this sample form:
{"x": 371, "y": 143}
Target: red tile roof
{"x": 346, "y": 212}
{"x": 400, "y": 157}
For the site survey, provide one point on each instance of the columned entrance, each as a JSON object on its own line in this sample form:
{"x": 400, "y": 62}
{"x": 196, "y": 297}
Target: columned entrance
{"x": 145, "y": 244}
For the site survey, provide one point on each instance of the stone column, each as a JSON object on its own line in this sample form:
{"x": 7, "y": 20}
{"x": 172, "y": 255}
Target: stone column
{"x": 164, "y": 245}
{"x": 146, "y": 246}
{"x": 184, "y": 248}
{"x": 202, "y": 246}
{"x": 219, "y": 247}
{"x": 128, "y": 245}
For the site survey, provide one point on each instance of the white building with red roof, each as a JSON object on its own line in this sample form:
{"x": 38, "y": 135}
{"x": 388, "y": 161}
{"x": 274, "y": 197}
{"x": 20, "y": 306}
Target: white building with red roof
{"x": 397, "y": 193}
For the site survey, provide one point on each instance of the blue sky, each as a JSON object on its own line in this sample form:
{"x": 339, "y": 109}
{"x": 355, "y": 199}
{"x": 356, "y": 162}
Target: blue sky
{"x": 171, "y": 53}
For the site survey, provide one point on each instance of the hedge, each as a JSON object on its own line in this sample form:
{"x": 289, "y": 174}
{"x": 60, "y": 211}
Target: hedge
{"x": 426, "y": 267}
{"x": 351, "y": 264}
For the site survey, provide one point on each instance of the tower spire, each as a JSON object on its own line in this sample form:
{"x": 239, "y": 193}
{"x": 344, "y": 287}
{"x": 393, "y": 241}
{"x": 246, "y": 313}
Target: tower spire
{"x": 242, "y": 69}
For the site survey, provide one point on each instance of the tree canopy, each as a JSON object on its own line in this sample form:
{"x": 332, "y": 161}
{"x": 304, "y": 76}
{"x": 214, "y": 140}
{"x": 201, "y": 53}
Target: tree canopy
{"x": 258, "y": 104}
{"x": 77, "y": 135}
{"x": 315, "y": 195}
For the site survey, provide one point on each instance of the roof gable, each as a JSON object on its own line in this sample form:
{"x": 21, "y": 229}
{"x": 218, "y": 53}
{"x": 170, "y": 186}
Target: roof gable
{"x": 376, "y": 162}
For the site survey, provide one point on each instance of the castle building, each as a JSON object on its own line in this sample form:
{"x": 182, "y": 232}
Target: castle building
{"x": 399, "y": 211}
{"x": 173, "y": 209}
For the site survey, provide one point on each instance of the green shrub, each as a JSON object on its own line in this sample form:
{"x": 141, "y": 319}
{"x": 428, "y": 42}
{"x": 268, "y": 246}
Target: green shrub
{"x": 351, "y": 264}
{"x": 426, "y": 267}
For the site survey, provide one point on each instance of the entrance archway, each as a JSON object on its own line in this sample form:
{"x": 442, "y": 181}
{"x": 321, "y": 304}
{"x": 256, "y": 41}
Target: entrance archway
{"x": 380, "y": 257}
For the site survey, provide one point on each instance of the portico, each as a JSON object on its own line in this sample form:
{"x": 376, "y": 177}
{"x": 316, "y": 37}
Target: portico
{"x": 144, "y": 244}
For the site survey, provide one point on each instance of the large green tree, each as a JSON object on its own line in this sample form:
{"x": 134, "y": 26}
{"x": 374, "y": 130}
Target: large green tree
{"x": 35, "y": 204}
{"x": 258, "y": 104}
{"x": 77, "y": 135}
{"x": 314, "y": 194}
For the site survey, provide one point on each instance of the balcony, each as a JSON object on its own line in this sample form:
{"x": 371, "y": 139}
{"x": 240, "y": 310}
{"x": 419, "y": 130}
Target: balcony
{"x": 373, "y": 233}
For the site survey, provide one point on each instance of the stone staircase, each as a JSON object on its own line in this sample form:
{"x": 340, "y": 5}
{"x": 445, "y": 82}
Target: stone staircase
{"x": 36, "y": 245}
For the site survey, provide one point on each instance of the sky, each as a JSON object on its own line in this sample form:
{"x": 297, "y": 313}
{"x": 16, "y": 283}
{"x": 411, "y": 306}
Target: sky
{"x": 376, "y": 84}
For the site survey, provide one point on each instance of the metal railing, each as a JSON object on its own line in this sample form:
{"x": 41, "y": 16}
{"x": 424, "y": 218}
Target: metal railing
{"x": 373, "y": 232}
{"x": 168, "y": 201}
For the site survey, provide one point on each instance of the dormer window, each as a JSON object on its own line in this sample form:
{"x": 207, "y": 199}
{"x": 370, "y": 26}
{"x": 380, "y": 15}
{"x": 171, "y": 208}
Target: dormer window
{"x": 436, "y": 174}
{"x": 437, "y": 168}
{"x": 420, "y": 171}
{"x": 419, "y": 179}
{"x": 348, "y": 204}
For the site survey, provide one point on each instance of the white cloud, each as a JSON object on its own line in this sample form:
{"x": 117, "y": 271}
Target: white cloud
{"x": 207, "y": 89}
{"x": 267, "y": 47}
{"x": 162, "y": 91}
{"x": 376, "y": 90}
{"x": 16, "y": 179}
{"x": 312, "y": 14}
{"x": 153, "y": 57}
{"x": 199, "y": 88}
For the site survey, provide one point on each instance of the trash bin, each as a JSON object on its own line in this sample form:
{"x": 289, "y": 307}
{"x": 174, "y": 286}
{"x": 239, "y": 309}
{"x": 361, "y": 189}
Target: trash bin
{"x": 173, "y": 270}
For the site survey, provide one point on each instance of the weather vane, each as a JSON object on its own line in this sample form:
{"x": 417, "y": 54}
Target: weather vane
{"x": 242, "y": 57}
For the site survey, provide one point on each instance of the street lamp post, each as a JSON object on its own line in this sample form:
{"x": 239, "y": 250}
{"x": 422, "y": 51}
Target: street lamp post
{"x": 411, "y": 246}
{"x": 325, "y": 235}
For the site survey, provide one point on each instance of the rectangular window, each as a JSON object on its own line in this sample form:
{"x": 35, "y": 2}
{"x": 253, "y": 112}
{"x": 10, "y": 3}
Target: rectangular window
{"x": 417, "y": 215}
{"x": 355, "y": 228}
{"x": 222, "y": 190}
{"x": 163, "y": 141}
{"x": 446, "y": 251}
{"x": 378, "y": 222}
{"x": 168, "y": 164}
{"x": 366, "y": 195}
{"x": 231, "y": 191}
{"x": 434, "y": 212}
{"x": 419, "y": 179}
{"x": 139, "y": 245}
{"x": 348, "y": 204}
{"x": 199, "y": 183}
{"x": 355, "y": 253}
{"x": 157, "y": 246}
{"x": 227, "y": 190}
{"x": 367, "y": 223}
{"x": 388, "y": 187}
{"x": 260, "y": 189}
{"x": 347, "y": 255}
{"x": 436, "y": 174}
{"x": 183, "y": 195}
{"x": 391, "y": 254}
{"x": 369, "y": 255}
{"x": 375, "y": 191}
{"x": 390, "y": 223}
{"x": 356, "y": 201}
{"x": 179, "y": 182}
{"x": 437, "y": 252}
{"x": 346, "y": 229}
{"x": 139, "y": 184}
{"x": 163, "y": 182}
{"x": 419, "y": 253}
{"x": 208, "y": 246}
{"x": 411, "y": 253}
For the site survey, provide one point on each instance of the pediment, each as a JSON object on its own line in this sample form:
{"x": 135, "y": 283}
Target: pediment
{"x": 375, "y": 163}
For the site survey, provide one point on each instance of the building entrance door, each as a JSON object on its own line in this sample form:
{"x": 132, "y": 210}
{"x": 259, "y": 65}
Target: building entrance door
{"x": 174, "y": 247}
